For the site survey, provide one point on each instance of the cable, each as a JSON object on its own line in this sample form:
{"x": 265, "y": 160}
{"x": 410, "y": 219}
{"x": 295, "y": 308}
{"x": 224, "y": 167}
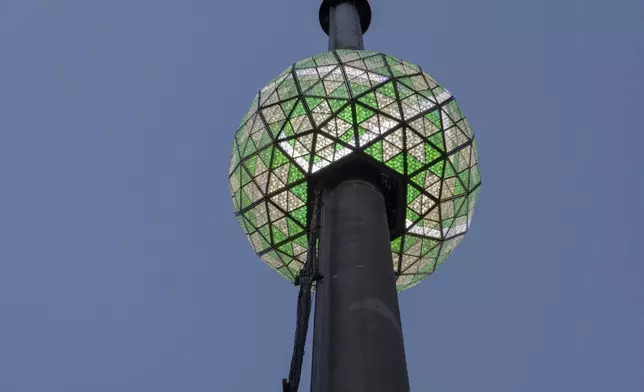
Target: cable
{"x": 307, "y": 276}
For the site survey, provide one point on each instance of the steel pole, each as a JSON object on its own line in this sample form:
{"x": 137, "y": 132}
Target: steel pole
{"x": 358, "y": 341}
{"x": 345, "y": 31}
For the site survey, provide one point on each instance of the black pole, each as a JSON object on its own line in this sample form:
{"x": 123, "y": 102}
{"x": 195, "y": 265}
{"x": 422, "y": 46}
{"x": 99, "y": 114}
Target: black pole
{"x": 344, "y": 27}
{"x": 357, "y": 342}
{"x": 364, "y": 18}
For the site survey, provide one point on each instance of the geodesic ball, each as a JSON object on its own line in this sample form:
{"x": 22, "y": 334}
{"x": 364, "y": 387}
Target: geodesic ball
{"x": 327, "y": 107}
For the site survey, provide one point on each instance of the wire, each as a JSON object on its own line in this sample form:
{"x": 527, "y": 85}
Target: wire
{"x": 308, "y": 275}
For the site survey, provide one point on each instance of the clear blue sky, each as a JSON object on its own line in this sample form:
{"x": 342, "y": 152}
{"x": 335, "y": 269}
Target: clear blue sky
{"x": 123, "y": 269}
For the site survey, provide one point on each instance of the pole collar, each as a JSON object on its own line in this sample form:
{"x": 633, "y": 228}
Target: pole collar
{"x": 363, "y": 7}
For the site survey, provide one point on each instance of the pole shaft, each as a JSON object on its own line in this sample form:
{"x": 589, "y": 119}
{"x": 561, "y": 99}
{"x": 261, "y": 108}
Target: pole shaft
{"x": 358, "y": 342}
{"x": 344, "y": 27}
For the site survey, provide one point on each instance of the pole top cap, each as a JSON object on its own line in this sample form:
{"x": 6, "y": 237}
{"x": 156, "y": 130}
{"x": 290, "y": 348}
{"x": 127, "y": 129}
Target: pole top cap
{"x": 363, "y": 7}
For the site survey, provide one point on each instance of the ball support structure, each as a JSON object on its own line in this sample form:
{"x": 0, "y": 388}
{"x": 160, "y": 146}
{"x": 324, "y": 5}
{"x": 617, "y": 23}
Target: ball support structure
{"x": 368, "y": 153}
